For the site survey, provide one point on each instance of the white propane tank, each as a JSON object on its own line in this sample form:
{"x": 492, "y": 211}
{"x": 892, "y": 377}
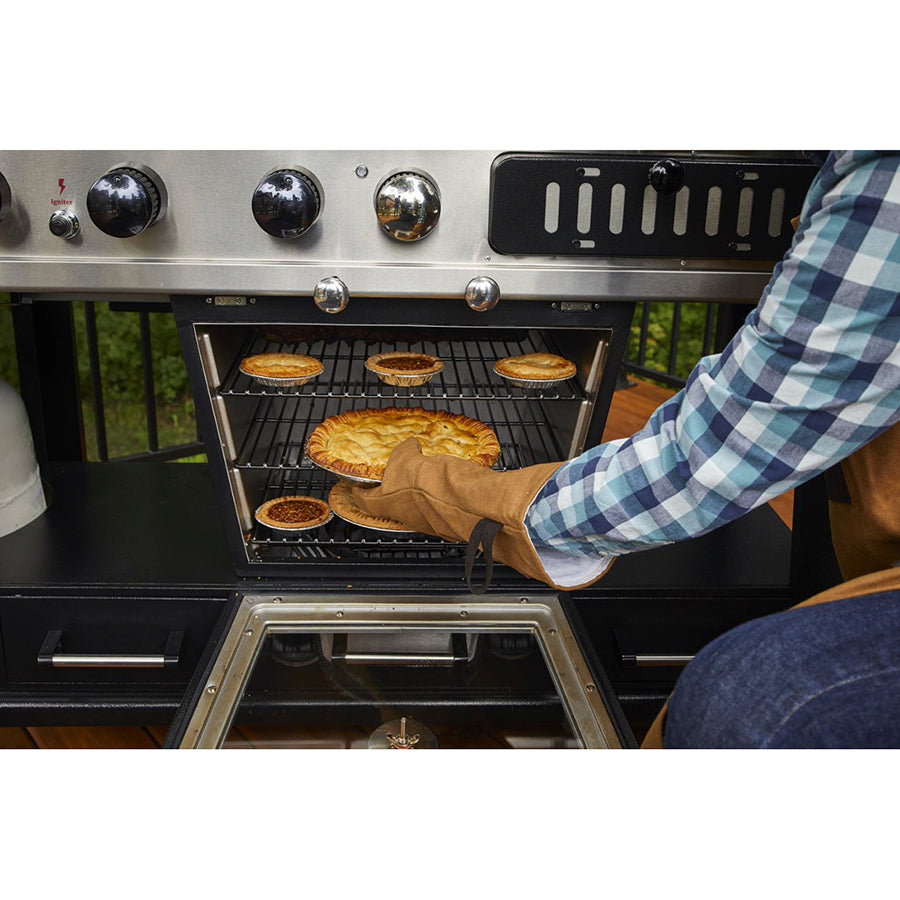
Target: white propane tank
{"x": 21, "y": 492}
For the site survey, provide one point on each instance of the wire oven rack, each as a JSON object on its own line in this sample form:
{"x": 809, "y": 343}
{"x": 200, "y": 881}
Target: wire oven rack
{"x": 468, "y": 370}
{"x": 282, "y": 419}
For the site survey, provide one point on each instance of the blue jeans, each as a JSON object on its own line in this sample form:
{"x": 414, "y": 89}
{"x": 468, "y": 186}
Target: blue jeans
{"x": 818, "y": 676}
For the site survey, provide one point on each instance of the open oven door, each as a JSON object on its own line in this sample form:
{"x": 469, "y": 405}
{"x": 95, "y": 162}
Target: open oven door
{"x": 405, "y": 672}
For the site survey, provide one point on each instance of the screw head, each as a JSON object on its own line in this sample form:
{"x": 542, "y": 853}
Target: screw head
{"x": 463, "y": 613}
{"x": 211, "y": 689}
{"x": 590, "y": 687}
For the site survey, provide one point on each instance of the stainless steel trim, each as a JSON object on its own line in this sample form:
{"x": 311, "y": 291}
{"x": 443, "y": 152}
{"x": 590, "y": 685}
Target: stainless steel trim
{"x": 540, "y": 615}
{"x": 585, "y": 410}
{"x": 242, "y": 505}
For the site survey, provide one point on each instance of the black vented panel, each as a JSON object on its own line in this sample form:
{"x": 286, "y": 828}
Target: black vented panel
{"x": 603, "y": 206}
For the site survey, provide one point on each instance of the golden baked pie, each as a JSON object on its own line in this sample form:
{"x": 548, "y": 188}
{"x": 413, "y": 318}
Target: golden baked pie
{"x": 293, "y": 513}
{"x": 340, "y": 499}
{"x": 536, "y": 367}
{"x": 279, "y": 367}
{"x": 358, "y": 443}
{"x": 400, "y": 367}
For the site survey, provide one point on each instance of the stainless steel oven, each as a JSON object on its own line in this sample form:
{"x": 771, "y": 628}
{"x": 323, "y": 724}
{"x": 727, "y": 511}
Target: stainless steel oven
{"x": 346, "y": 636}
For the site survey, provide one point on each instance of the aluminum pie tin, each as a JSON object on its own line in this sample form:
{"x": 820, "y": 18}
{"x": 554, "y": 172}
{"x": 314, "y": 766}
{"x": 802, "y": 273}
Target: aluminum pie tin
{"x": 411, "y": 380}
{"x": 358, "y": 479}
{"x": 531, "y": 383}
{"x": 366, "y": 525}
{"x": 293, "y": 528}
{"x": 290, "y": 381}
{"x": 281, "y": 382}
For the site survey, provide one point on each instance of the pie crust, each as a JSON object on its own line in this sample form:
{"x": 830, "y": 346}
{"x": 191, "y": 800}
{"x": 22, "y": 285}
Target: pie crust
{"x": 281, "y": 368}
{"x": 358, "y": 443}
{"x": 536, "y": 367}
{"x": 340, "y": 499}
{"x": 295, "y": 513}
{"x": 400, "y": 367}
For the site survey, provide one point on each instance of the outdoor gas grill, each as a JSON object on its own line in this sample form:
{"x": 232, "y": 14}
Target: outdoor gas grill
{"x": 150, "y": 587}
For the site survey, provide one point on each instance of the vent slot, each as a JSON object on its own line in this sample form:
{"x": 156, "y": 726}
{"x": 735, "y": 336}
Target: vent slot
{"x": 551, "y": 208}
{"x": 745, "y": 211}
{"x": 616, "y": 208}
{"x": 682, "y": 202}
{"x": 585, "y": 198}
{"x": 648, "y": 216}
{"x": 713, "y": 210}
{"x": 776, "y": 212}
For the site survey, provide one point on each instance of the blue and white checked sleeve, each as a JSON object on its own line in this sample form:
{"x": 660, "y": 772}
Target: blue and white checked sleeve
{"x": 811, "y": 376}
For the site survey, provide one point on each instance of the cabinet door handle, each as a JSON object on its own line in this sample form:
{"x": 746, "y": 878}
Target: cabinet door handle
{"x": 657, "y": 659}
{"x": 51, "y": 655}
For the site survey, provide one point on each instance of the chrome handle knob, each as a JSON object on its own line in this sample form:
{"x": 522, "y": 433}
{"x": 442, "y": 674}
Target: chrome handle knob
{"x": 287, "y": 203}
{"x": 482, "y": 293}
{"x": 126, "y": 201}
{"x": 331, "y": 295}
{"x": 5, "y": 197}
{"x": 64, "y": 224}
{"x": 408, "y": 206}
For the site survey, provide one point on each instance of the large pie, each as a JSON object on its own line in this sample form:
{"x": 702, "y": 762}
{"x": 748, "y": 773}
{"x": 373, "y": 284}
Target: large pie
{"x": 358, "y": 443}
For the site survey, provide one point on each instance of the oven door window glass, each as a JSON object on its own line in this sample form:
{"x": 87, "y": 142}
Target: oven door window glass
{"x": 400, "y": 690}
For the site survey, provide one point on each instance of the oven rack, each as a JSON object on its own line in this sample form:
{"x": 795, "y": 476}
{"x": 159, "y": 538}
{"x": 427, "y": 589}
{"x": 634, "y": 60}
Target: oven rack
{"x": 280, "y": 426}
{"x": 467, "y": 374}
{"x": 336, "y": 539}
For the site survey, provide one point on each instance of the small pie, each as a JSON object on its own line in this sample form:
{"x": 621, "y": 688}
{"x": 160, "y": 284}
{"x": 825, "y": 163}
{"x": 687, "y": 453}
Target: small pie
{"x": 400, "y": 367}
{"x": 281, "y": 368}
{"x": 536, "y": 367}
{"x": 340, "y": 499}
{"x": 358, "y": 443}
{"x": 293, "y": 513}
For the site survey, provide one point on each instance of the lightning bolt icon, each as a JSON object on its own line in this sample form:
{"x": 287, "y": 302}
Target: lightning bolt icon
{"x": 62, "y": 185}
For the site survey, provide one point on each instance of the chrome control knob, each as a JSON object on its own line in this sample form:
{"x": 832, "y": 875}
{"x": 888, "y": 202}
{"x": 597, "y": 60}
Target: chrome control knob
{"x": 127, "y": 200}
{"x": 482, "y": 293}
{"x": 331, "y": 295}
{"x": 64, "y": 224}
{"x": 5, "y": 197}
{"x": 287, "y": 203}
{"x": 408, "y": 206}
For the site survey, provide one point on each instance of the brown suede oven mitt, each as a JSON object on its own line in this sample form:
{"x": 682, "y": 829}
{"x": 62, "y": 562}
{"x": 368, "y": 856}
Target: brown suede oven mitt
{"x": 451, "y": 497}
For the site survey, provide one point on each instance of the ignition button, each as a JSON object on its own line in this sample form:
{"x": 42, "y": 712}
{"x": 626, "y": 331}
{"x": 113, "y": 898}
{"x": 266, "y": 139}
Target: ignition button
{"x": 64, "y": 224}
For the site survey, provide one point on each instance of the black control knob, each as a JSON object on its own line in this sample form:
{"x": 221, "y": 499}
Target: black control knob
{"x": 286, "y": 203}
{"x": 5, "y": 197}
{"x": 667, "y": 176}
{"x": 126, "y": 201}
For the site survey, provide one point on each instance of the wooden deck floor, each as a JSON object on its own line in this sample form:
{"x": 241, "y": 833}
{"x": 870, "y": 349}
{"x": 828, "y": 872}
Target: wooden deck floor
{"x": 629, "y": 411}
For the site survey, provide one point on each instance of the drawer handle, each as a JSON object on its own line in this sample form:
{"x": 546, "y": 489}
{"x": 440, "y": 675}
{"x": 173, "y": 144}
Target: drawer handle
{"x": 657, "y": 659}
{"x": 50, "y": 655}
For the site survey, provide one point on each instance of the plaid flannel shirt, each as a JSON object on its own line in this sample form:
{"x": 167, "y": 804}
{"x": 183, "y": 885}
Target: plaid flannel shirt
{"x": 812, "y": 375}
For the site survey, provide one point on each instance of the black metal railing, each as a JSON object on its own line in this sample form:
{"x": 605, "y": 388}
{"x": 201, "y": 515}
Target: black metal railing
{"x": 669, "y": 338}
{"x": 153, "y": 449}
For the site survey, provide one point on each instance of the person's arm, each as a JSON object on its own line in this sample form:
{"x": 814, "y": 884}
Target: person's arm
{"x": 812, "y": 375}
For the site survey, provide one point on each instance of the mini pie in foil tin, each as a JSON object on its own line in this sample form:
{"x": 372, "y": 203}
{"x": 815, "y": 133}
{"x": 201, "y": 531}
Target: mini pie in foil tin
{"x": 391, "y": 367}
{"x": 281, "y": 369}
{"x": 311, "y": 512}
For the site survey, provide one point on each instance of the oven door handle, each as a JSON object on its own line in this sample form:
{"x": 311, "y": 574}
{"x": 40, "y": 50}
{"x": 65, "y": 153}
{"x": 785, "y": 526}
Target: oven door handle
{"x": 458, "y": 653}
{"x": 50, "y": 655}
